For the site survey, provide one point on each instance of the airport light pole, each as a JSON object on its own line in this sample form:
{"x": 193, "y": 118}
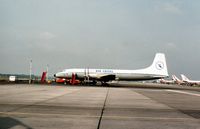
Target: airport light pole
{"x": 30, "y": 71}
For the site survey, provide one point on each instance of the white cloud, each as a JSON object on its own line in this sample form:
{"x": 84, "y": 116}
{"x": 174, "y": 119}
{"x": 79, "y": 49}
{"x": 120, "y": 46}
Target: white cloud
{"x": 171, "y": 45}
{"x": 47, "y": 35}
{"x": 171, "y": 8}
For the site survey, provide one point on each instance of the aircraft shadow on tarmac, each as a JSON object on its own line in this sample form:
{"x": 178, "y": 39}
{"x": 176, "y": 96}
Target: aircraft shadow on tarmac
{"x": 8, "y": 122}
{"x": 192, "y": 113}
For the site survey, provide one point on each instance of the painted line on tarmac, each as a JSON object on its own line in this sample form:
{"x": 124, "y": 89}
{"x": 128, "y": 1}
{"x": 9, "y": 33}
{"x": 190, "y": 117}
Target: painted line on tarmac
{"x": 43, "y": 114}
{"x": 96, "y": 116}
{"x": 183, "y": 92}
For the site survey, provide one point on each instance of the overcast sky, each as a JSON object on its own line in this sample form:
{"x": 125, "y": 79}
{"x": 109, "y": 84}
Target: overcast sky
{"x": 122, "y": 34}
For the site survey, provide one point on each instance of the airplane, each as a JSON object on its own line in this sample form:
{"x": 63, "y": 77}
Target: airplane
{"x": 188, "y": 81}
{"x": 177, "y": 80}
{"x": 157, "y": 70}
{"x": 163, "y": 81}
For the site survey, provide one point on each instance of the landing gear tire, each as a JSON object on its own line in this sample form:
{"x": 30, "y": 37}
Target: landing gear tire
{"x": 104, "y": 84}
{"x": 94, "y": 82}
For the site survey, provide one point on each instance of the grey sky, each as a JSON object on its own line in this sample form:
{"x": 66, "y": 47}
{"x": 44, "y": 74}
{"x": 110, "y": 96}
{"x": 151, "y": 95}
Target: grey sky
{"x": 123, "y": 34}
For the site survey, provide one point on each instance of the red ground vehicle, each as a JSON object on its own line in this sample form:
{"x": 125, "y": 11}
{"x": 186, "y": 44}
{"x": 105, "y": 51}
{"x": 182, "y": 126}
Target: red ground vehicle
{"x": 67, "y": 81}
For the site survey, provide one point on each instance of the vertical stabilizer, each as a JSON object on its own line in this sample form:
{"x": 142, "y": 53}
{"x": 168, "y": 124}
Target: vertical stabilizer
{"x": 175, "y": 78}
{"x": 184, "y": 78}
{"x": 159, "y": 65}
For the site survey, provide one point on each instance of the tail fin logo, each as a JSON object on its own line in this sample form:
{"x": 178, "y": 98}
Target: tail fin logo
{"x": 160, "y": 65}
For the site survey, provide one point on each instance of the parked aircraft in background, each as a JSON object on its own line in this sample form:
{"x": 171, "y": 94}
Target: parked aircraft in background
{"x": 163, "y": 81}
{"x": 174, "y": 80}
{"x": 177, "y": 80}
{"x": 188, "y": 81}
{"x": 157, "y": 70}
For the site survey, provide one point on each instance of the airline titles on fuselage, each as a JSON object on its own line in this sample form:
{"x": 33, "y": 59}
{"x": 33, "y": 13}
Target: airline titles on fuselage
{"x": 104, "y": 71}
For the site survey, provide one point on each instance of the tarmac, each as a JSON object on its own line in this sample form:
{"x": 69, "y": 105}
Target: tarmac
{"x": 26, "y": 106}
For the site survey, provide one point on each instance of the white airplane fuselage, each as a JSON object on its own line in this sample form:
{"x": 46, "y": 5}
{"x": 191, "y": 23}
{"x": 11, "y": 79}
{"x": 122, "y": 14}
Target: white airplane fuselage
{"x": 119, "y": 74}
{"x": 157, "y": 70}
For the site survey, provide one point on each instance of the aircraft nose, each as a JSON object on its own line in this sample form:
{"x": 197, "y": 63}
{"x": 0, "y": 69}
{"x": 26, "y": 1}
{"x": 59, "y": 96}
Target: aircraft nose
{"x": 59, "y": 75}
